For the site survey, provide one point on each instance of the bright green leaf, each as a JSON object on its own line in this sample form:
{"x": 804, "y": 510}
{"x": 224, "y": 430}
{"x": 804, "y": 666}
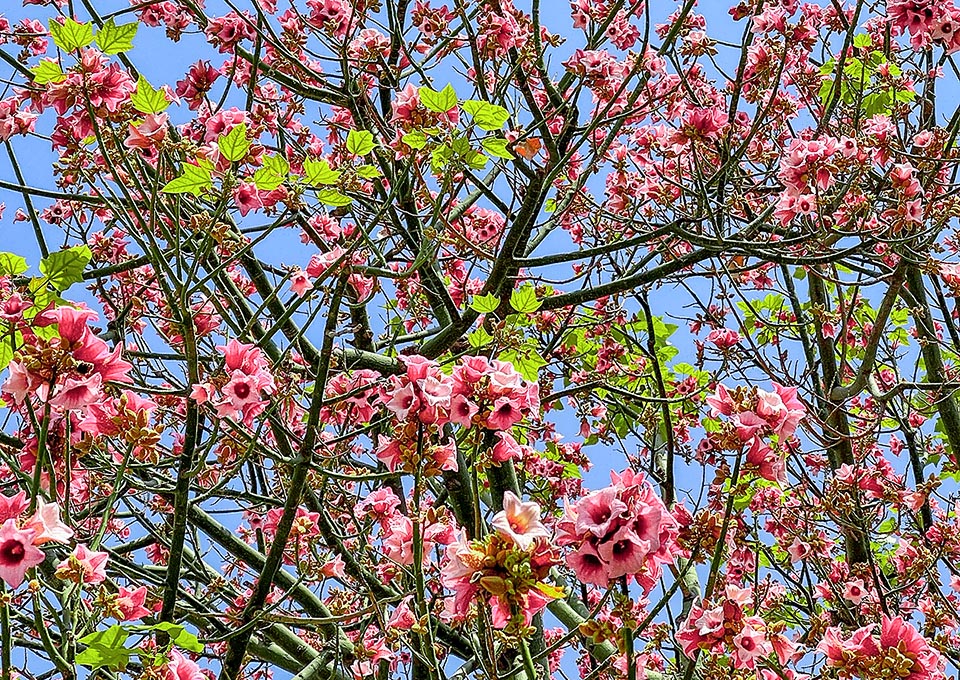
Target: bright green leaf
{"x": 485, "y": 304}
{"x": 415, "y": 139}
{"x": 360, "y": 142}
{"x": 862, "y": 40}
{"x": 193, "y": 181}
{"x": 267, "y": 180}
{"x": 475, "y": 160}
{"x": 441, "y": 101}
{"x": 147, "y": 100}
{"x": 64, "y": 268}
{"x": 318, "y": 173}
{"x": 113, "y": 39}
{"x": 11, "y": 265}
{"x": 47, "y": 71}
{"x": 368, "y": 172}
{"x": 477, "y": 339}
{"x": 487, "y": 116}
{"x": 234, "y": 145}
{"x": 496, "y": 147}
{"x": 333, "y": 197}
{"x": 180, "y": 636}
{"x": 105, "y": 649}
{"x": 70, "y": 36}
{"x": 527, "y": 362}
{"x": 524, "y": 300}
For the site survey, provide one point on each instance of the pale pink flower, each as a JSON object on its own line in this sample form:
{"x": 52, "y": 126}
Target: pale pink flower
{"x": 47, "y": 525}
{"x": 83, "y": 566}
{"x": 519, "y": 521}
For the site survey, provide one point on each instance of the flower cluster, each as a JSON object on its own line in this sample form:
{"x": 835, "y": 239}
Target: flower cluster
{"x": 238, "y": 393}
{"x": 20, "y": 537}
{"x": 507, "y": 570}
{"x": 488, "y": 395}
{"x": 926, "y": 21}
{"x": 624, "y": 529}
{"x": 898, "y": 651}
{"x": 754, "y": 414}
{"x": 68, "y": 369}
{"x": 717, "y": 629}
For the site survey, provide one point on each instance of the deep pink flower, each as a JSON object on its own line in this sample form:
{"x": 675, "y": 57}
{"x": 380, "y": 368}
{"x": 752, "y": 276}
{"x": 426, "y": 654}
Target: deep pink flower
{"x": 130, "y": 603}
{"x": 17, "y": 553}
{"x": 180, "y": 667}
{"x": 11, "y": 507}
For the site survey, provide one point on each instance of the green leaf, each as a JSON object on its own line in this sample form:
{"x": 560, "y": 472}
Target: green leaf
{"x": 180, "y": 636}
{"x": 360, "y": 142}
{"x": 318, "y": 173}
{"x": 70, "y": 36}
{"x": 862, "y": 40}
{"x": 485, "y": 304}
{"x": 113, "y": 39}
{"x": 11, "y": 265}
{"x": 475, "y": 160}
{"x": 65, "y": 267}
{"x": 477, "y": 339}
{"x": 527, "y": 362}
{"x": 496, "y": 147}
{"x": 47, "y": 71}
{"x": 234, "y": 145}
{"x": 487, "y": 116}
{"x": 441, "y": 101}
{"x": 415, "y": 140}
{"x": 368, "y": 172}
{"x": 550, "y": 205}
{"x": 96, "y": 657}
{"x": 272, "y": 174}
{"x": 193, "y": 181}
{"x": 105, "y": 649}
{"x": 333, "y": 197}
{"x": 265, "y": 180}
{"x": 440, "y": 157}
{"x": 147, "y": 100}
{"x": 524, "y": 300}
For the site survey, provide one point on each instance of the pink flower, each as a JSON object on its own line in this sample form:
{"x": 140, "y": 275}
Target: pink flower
{"x": 751, "y": 643}
{"x": 47, "y": 525}
{"x": 402, "y": 401}
{"x": 589, "y": 566}
{"x": 504, "y": 415}
{"x": 247, "y": 198}
{"x": 506, "y": 448}
{"x": 130, "y": 603}
{"x": 855, "y": 591}
{"x": 180, "y": 667}
{"x": 703, "y": 629}
{"x": 300, "y": 282}
{"x": 622, "y": 530}
{"x": 11, "y": 507}
{"x": 78, "y": 393}
{"x": 724, "y": 338}
{"x": 17, "y": 553}
{"x": 83, "y": 566}
{"x": 519, "y": 521}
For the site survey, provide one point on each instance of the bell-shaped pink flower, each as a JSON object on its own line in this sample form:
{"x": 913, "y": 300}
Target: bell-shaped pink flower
{"x": 519, "y": 521}
{"x": 17, "y": 553}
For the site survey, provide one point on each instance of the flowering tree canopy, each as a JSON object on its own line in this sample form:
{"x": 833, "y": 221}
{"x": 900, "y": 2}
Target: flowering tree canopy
{"x": 350, "y": 339}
